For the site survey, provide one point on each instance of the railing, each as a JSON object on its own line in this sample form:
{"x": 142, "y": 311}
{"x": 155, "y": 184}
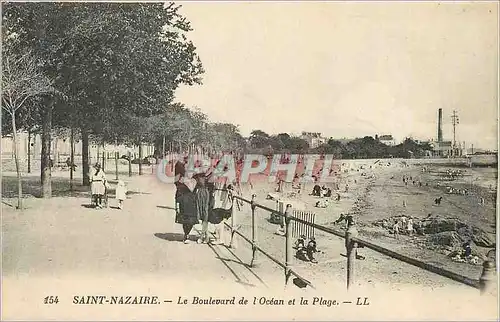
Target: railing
{"x": 485, "y": 283}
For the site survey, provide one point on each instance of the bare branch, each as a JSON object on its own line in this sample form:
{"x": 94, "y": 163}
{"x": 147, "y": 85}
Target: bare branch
{"x": 21, "y": 79}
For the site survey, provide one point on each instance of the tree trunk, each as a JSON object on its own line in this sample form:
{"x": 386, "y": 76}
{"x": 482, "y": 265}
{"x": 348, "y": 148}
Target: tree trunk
{"x": 163, "y": 150}
{"x": 72, "y": 158}
{"x": 129, "y": 164}
{"x": 45, "y": 158}
{"x": 16, "y": 160}
{"x": 29, "y": 151}
{"x": 140, "y": 159}
{"x": 85, "y": 157}
{"x": 98, "y": 157}
{"x": 55, "y": 156}
{"x": 103, "y": 158}
{"x": 116, "y": 165}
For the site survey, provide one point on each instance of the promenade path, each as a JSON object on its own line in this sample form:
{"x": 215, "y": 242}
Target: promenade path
{"x": 62, "y": 247}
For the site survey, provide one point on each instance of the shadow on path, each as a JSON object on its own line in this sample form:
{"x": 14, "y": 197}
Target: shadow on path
{"x": 248, "y": 267}
{"x": 224, "y": 261}
{"x": 166, "y": 207}
{"x": 239, "y": 276}
{"x": 8, "y": 204}
{"x": 32, "y": 187}
{"x": 175, "y": 237}
{"x": 137, "y": 193}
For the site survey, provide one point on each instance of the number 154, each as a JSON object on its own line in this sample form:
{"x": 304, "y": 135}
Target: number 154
{"x": 50, "y": 300}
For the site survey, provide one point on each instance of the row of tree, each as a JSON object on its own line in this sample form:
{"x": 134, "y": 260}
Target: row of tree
{"x": 105, "y": 72}
{"x": 108, "y": 72}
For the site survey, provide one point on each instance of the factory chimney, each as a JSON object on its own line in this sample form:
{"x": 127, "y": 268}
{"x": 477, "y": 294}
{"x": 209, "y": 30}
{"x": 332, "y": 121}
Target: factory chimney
{"x": 440, "y": 125}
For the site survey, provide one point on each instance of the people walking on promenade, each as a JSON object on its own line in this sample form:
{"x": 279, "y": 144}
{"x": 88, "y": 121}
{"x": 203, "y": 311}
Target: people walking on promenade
{"x": 180, "y": 173}
{"x": 98, "y": 185}
{"x": 202, "y": 205}
{"x": 186, "y": 206}
{"x": 121, "y": 193}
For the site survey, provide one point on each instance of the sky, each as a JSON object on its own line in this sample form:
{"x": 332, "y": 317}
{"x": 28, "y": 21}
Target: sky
{"x": 348, "y": 69}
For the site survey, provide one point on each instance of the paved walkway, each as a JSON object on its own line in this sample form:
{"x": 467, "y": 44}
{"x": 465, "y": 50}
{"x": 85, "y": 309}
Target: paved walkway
{"x": 66, "y": 236}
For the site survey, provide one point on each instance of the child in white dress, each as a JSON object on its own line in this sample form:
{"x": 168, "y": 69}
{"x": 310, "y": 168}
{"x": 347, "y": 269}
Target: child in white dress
{"x": 121, "y": 193}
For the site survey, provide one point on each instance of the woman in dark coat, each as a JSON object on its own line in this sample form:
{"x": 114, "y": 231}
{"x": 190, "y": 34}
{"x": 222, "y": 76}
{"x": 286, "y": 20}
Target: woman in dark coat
{"x": 187, "y": 208}
{"x": 180, "y": 173}
{"x": 185, "y": 200}
{"x": 203, "y": 204}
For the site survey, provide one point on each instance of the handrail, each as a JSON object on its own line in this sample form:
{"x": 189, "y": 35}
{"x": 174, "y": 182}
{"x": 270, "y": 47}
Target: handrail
{"x": 276, "y": 261}
{"x": 415, "y": 262}
{"x": 352, "y": 242}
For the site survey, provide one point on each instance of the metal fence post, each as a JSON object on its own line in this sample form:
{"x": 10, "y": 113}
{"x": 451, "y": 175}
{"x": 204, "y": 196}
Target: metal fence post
{"x": 288, "y": 243}
{"x": 232, "y": 242}
{"x": 254, "y": 233}
{"x": 487, "y": 279}
{"x": 351, "y": 247}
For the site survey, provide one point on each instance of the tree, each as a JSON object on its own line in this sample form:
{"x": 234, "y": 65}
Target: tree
{"x": 259, "y": 139}
{"x": 226, "y": 137}
{"x": 21, "y": 80}
{"x": 114, "y": 61}
{"x": 297, "y": 145}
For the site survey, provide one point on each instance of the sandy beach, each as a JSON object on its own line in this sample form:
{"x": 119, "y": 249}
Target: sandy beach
{"x": 376, "y": 192}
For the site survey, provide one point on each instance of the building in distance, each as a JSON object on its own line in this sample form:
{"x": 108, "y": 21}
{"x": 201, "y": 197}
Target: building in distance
{"x": 387, "y": 139}
{"x": 314, "y": 139}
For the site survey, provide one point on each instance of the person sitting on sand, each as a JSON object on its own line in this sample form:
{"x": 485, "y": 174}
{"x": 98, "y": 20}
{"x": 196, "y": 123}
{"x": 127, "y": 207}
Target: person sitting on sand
{"x": 467, "y": 250}
{"x": 342, "y": 218}
{"x": 301, "y": 253}
{"x": 322, "y": 192}
{"x": 311, "y": 249}
{"x": 316, "y": 190}
{"x": 322, "y": 203}
{"x": 300, "y": 242}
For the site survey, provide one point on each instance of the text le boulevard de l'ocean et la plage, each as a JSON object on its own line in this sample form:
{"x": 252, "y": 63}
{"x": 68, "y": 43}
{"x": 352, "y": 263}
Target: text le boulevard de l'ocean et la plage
{"x": 195, "y": 300}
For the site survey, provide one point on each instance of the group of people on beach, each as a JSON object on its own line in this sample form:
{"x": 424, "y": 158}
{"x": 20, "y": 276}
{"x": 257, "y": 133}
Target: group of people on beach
{"x": 403, "y": 226}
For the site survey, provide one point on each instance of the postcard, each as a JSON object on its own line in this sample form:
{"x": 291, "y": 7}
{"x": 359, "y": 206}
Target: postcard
{"x": 249, "y": 160}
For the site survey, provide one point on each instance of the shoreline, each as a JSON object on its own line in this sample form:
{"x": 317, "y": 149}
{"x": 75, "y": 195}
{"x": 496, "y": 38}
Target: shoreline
{"x": 378, "y": 195}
